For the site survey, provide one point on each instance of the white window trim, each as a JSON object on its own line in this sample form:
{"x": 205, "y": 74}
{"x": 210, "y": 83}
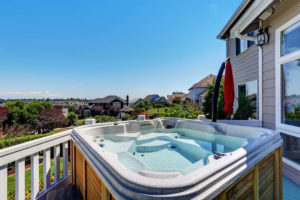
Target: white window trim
{"x": 279, "y": 60}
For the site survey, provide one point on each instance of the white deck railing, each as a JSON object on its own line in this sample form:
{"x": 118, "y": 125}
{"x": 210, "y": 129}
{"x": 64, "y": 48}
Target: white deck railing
{"x": 18, "y": 153}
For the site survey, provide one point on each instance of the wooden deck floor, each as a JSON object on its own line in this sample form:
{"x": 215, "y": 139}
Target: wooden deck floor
{"x": 291, "y": 191}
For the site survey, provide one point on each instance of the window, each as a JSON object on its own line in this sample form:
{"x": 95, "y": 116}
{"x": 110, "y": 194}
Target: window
{"x": 291, "y": 93}
{"x": 287, "y": 55}
{"x": 117, "y": 104}
{"x": 290, "y": 39}
{"x": 249, "y": 90}
{"x": 243, "y": 45}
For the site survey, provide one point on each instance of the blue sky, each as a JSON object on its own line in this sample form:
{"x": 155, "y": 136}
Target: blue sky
{"x": 91, "y": 49}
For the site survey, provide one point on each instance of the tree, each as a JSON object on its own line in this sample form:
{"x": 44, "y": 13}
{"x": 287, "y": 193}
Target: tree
{"x": 72, "y": 117}
{"x": 49, "y": 119}
{"x": 17, "y": 113}
{"x": 71, "y": 109}
{"x": 97, "y": 110}
{"x": 34, "y": 107}
{"x": 114, "y": 111}
{"x": 208, "y": 98}
{"x": 3, "y": 115}
{"x": 177, "y": 100}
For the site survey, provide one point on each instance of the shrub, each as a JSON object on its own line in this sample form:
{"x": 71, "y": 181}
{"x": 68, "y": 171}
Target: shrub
{"x": 72, "y": 117}
{"x": 10, "y": 141}
{"x": 105, "y": 118}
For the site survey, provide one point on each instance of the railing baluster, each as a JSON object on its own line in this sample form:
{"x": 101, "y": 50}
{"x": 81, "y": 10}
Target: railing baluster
{"x": 3, "y": 178}
{"x": 56, "y": 163}
{"x": 34, "y": 175}
{"x": 47, "y": 170}
{"x": 65, "y": 159}
{"x": 20, "y": 179}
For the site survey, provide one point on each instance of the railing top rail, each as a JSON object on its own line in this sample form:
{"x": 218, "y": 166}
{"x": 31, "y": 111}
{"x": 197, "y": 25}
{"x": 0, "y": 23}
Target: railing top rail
{"x": 16, "y": 152}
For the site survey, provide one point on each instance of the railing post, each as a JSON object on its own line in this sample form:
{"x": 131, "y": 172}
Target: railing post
{"x": 34, "y": 175}
{"x": 56, "y": 163}
{"x": 20, "y": 179}
{"x": 65, "y": 159}
{"x": 3, "y": 178}
{"x": 46, "y": 168}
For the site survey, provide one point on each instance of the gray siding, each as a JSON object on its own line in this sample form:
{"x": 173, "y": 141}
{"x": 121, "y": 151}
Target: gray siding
{"x": 282, "y": 14}
{"x": 244, "y": 65}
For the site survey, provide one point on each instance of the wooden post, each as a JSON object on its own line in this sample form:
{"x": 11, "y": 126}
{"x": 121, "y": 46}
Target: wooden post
{"x": 3, "y": 178}
{"x": 280, "y": 173}
{"x": 34, "y": 175}
{"x": 276, "y": 173}
{"x": 256, "y": 183}
{"x": 84, "y": 192}
{"x": 74, "y": 165}
{"x": 20, "y": 179}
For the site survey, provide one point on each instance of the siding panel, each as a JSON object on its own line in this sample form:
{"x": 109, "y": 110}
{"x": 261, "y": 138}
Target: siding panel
{"x": 244, "y": 65}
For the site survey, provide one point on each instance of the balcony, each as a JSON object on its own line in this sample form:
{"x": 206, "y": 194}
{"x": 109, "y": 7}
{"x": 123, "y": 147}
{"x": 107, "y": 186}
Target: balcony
{"x": 42, "y": 152}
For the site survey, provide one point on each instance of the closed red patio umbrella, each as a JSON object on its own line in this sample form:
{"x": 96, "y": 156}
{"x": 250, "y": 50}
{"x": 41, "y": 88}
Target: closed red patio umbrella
{"x": 228, "y": 90}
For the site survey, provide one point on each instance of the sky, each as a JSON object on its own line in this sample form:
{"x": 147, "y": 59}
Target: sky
{"x": 89, "y": 49}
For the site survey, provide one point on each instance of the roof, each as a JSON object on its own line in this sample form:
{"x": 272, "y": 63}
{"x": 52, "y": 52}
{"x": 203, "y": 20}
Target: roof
{"x": 126, "y": 109}
{"x": 203, "y": 83}
{"x": 150, "y": 97}
{"x": 234, "y": 18}
{"x": 134, "y": 100}
{"x": 161, "y": 99}
{"x": 107, "y": 99}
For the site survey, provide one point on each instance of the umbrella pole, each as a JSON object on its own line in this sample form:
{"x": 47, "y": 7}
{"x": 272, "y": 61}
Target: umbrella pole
{"x": 216, "y": 91}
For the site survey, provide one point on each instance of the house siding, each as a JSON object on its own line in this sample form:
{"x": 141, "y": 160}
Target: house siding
{"x": 244, "y": 65}
{"x": 195, "y": 92}
{"x": 287, "y": 10}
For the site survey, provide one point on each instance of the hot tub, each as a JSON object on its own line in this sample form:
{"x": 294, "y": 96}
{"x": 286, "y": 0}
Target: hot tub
{"x": 194, "y": 159}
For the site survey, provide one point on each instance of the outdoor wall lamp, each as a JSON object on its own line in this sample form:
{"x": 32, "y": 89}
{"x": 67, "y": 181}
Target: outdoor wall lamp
{"x": 262, "y": 37}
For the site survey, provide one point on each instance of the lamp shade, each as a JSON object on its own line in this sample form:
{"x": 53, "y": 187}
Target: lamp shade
{"x": 261, "y": 38}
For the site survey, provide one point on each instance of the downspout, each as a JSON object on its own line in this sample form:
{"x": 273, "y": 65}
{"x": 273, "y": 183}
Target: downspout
{"x": 260, "y": 77}
{"x": 260, "y": 63}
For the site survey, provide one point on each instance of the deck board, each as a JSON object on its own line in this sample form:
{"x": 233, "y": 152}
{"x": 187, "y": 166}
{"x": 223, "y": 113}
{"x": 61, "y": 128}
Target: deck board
{"x": 291, "y": 190}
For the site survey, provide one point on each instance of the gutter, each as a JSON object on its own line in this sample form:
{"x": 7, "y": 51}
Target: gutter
{"x": 243, "y": 37}
{"x": 234, "y": 18}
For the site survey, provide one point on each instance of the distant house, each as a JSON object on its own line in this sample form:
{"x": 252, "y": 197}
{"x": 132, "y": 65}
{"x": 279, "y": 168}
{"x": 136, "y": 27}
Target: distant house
{"x": 174, "y": 95}
{"x": 86, "y": 111}
{"x": 125, "y": 109}
{"x": 135, "y": 101}
{"x": 155, "y": 98}
{"x": 198, "y": 90}
{"x": 108, "y": 101}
